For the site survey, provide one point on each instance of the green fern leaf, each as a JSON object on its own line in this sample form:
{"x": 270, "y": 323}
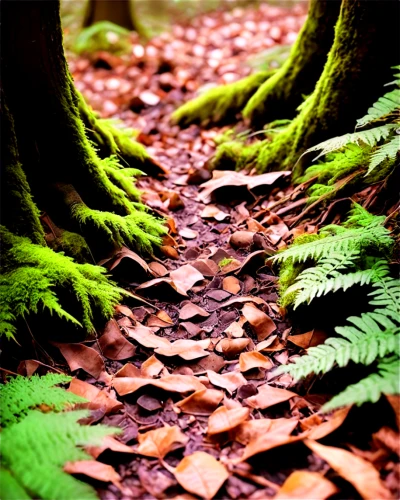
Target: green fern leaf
{"x": 21, "y": 395}
{"x": 384, "y": 152}
{"x": 36, "y": 449}
{"x": 371, "y": 388}
{"x": 383, "y": 106}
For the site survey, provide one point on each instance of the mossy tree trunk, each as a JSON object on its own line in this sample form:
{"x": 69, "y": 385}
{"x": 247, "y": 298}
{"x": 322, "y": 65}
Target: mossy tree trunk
{"x": 116, "y": 11}
{"x": 281, "y": 94}
{"x": 50, "y": 167}
{"x": 358, "y": 65}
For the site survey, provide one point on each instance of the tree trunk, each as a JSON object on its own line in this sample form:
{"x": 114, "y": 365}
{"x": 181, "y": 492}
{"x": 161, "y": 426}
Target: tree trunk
{"x": 358, "y": 66}
{"x": 281, "y": 94}
{"x": 115, "y": 11}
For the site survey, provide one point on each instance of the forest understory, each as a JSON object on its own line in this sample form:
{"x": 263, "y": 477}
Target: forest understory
{"x": 191, "y": 367}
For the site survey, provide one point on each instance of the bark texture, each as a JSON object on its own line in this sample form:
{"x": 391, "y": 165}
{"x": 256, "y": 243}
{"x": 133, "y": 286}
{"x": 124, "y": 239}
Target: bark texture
{"x": 115, "y": 11}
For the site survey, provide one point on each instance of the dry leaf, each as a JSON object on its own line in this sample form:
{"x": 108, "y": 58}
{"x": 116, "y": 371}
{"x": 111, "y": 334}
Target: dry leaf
{"x": 254, "y": 359}
{"x": 253, "y": 430}
{"x": 321, "y": 430}
{"x": 81, "y": 356}
{"x": 231, "y": 347}
{"x": 109, "y": 443}
{"x": 229, "y": 381}
{"x": 161, "y": 441}
{"x": 125, "y": 311}
{"x": 201, "y": 474}
{"x": 268, "y": 396}
{"x": 151, "y": 367}
{"x": 188, "y": 233}
{"x": 304, "y": 485}
{"x": 206, "y": 267}
{"x": 261, "y": 324}
{"x": 201, "y": 402}
{"x": 97, "y": 398}
{"x": 212, "y": 211}
{"x": 357, "y": 471}
{"x": 309, "y": 339}
{"x": 113, "y": 344}
{"x": 128, "y": 370}
{"x": 240, "y": 300}
{"x": 231, "y": 285}
{"x": 158, "y": 269}
{"x": 146, "y": 337}
{"x": 190, "y": 310}
{"x": 95, "y": 470}
{"x": 394, "y": 401}
{"x": 185, "y": 348}
{"x": 266, "y": 343}
{"x": 235, "y": 330}
{"x": 241, "y": 239}
{"x": 389, "y": 438}
{"x": 171, "y": 383}
{"x": 169, "y": 252}
{"x": 223, "y": 420}
{"x": 185, "y": 277}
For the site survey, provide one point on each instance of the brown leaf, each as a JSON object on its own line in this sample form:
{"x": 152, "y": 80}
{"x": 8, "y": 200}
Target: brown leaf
{"x": 235, "y": 330}
{"x": 171, "y": 383}
{"x": 144, "y": 336}
{"x": 231, "y": 347}
{"x": 113, "y": 344}
{"x": 129, "y": 255}
{"x": 212, "y": 211}
{"x": 95, "y": 470}
{"x": 253, "y": 430}
{"x": 229, "y": 381}
{"x": 268, "y": 396}
{"x": 201, "y": 474}
{"x": 357, "y": 471}
{"x": 201, "y": 402}
{"x": 128, "y": 370}
{"x": 389, "y": 438}
{"x": 394, "y": 401}
{"x": 240, "y": 300}
{"x": 158, "y": 269}
{"x": 231, "y": 285}
{"x": 185, "y": 277}
{"x": 185, "y": 348}
{"x": 321, "y": 430}
{"x": 241, "y": 239}
{"x": 169, "y": 252}
{"x": 223, "y": 420}
{"x": 109, "y": 443}
{"x": 266, "y": 343}
{"x": 261, "y": 324}
{"x": 190, "y": 310}
{"x": 303, "y": 485}
{"x": 151, "y": 367}
{"x": 97, "y": 398}
{"x": 254, "y": 359}
{"x": 206, "y": 267}
{"x": 161, "y": 441}
{"x": 309, "y": 339}
{"x": 188, "y": 234}
{"x": 81, "y": 356}
{"x": 125, "y": 311}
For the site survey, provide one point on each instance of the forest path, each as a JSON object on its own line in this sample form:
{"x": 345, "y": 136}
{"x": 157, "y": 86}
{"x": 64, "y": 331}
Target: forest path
{"x": 210, "y": 317}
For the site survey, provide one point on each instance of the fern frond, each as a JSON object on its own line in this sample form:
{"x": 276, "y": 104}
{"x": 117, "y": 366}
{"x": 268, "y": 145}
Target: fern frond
{"x": 387, "y": 296}
{"x": 22, "y": 394}
{"x": 370, "y": 389}
{"x": 383, "y": 106}
{"x": 369, "y": 137}
{"x": 35, "y": 450}
{"x": 388, "y": 150}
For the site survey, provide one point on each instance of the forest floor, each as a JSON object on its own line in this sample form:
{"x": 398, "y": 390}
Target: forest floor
{"x": 204, "y": 315}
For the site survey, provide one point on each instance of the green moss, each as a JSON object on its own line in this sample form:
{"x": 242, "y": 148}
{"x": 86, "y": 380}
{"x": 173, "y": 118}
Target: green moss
{"x": 32, "y": 275}
{"x": 235, "y": 155}
{"x": 224, "y": 262}
{"x": 280, "y": 95}
{"x": 73, "y": 245}
{"x": 103, "y": 36}
{"x": 122, "y": 177}
{"x": 221, "y": 103}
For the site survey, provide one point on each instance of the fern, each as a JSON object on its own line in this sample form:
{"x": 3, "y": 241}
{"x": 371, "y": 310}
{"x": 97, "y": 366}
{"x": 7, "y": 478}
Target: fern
{"x": 369, "y": 137}
{"x": 383, "y": 106}
{"x": 388, "y": 150}
{"x": 21, "y": 395}
{"x": 36, "y": 449}
{"x": 371, "y": 388}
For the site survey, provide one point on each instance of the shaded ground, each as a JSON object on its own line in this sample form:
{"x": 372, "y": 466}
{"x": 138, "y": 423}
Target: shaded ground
{"x": 209, "y": 288}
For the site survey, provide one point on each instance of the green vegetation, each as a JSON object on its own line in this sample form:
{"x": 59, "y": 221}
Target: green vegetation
{"x": 103, "y": 36}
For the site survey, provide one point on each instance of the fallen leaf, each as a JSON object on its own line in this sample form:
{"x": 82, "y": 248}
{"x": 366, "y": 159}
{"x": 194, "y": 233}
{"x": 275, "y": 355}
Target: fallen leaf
{"x": 357, "y": 471}
{"x": 188, "y": 233}
{"x": 212, "y": 211}
{"x": 95, "y": 470}
{"x": 81, "y": 356}
{"x": 394, "y": 401}
{"x": 231, "y": 285}
{"x": 154, "y": 321}
{"x": 185, "y": 348}
{"x": 389, "y": 438}
{"x": 240, "y": 300}
{"x": 241, "y": 239}
{"x": 121, "y": 259}
{"x": 252, "y": 430}
{"x": 161, "y": 441}
{"x": 109, "y": 443}
{"x": 128, "y": 370}
{"x": 321, "y": 430}
{"x": 231, "y": 347}
{"x": 97, "y": 398}
{"x": 207, "y": 267}
{"x": 158, "y": 269}
{"x": 169, "y": 252}
{"x": 190, "y": 310}
{"x": 149, "y": 98}
{"x": 201, "y": 402}
{"x": 254, "y": 359}
{"x": 229, "y": 381}
{"x": 113, "y": 344}
{"x": 144, "y": 336}
{"x": 261, "y": 324}
{"x": 185, "y": 277}
{"x": 223, "y": 420}
{"x": 309, "y": 339}
{"x": 235, "y": 330}
{"x": 171, "y": 383}
{"x": 125, "y": 311}
{"x": 201, "y": 474}
{"x": 151, "y": 367}
{"x": 266, "y": 343}
{"x": 304, "y": 485}
{"x": 268, "y": 396}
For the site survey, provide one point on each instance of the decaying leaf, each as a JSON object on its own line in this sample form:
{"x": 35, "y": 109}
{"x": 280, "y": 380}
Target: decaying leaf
{"x": 231, "y": 285}
{"x": 252, "y": 430}
{"x": 202, "y": 402}
{"x": 309, "y": 339}
{"x": 190, "y": 310}
{"x": 144, "y": 336}
{"x": 229, "y": 381}
{"x": 109, "y": 443}
{"x": 161, "y": 441}
{"x": 151, "y": 367}
{"x": 81, "y": 356}
{"x": 113, "y": 344}
{"x": 241, "y": 239}
{"x": 304, "y": 485}
{"x": 185, "y": 348}
{"x": 95, "y": 470}
{"x": 201, "y": 474}
{"x": 261, "y": 324}
{"x": 268, "y": 396}
{"x": 223, "y": 420}
{"x": 212, "y": 211}
{"x": 171, "y": 383}
{"x": 231, "y": 347}
{"x": 97, "y": 398}
{"x": 320, "y": 429}
{"x": 185, "y": 277}
{"x": 253, "y": 359}
{"x": 357, "y": 471}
